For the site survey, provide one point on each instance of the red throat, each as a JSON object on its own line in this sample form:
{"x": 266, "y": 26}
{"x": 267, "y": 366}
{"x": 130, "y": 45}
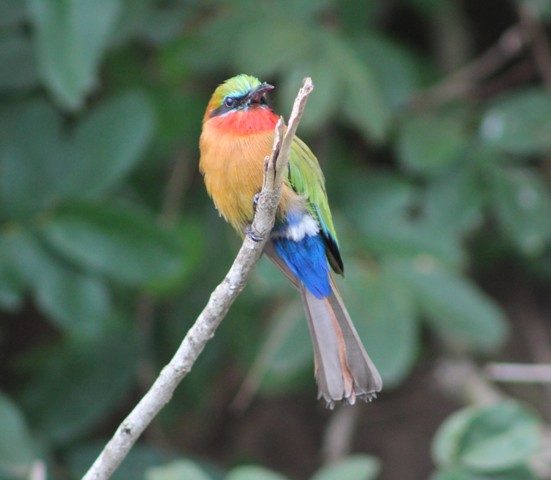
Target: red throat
{"x": 245, "y": 122}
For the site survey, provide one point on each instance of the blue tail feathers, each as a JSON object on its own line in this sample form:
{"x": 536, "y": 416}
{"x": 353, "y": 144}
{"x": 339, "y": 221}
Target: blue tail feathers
{"x": 307, "y": 260}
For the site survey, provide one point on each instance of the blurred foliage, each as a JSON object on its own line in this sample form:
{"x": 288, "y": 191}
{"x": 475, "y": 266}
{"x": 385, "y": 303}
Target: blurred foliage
{"x": 496, "y": 441}
{"x": 107, "y": 235}
{"x": 356, "y": 467}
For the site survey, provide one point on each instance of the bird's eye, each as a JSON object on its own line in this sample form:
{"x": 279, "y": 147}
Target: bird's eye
{"x": 229, "y": 102}
{"x": 263, "y": 100}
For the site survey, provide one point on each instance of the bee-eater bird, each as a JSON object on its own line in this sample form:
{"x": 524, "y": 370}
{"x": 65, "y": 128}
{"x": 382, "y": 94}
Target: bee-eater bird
{"x": 237, "y": 135}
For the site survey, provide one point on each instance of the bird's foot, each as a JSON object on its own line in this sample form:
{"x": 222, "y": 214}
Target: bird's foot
{"x": 253, "y": 235}
{"x": 256, "y": 198}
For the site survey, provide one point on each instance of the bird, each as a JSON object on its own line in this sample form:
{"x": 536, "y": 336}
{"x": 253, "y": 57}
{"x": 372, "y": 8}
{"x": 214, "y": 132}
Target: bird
{"x": 237, "y": 135}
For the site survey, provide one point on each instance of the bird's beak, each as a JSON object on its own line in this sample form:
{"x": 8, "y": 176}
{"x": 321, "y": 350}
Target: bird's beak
{"x": 258, "y": 92}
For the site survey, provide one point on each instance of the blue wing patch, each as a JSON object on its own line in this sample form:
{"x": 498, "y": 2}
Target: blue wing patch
{"x": 307, "y": 261}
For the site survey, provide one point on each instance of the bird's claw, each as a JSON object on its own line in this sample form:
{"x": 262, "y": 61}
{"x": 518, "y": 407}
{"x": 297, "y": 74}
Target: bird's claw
{"x": 254, "y": 236}
{"x": 256, "y": 198}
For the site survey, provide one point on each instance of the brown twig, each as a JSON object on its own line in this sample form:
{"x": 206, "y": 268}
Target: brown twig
{"x": 536, "y": 334}
{"x": 518, "y": 372}
{"x": 521, "y": 73}
{"x": 541, "y": 47}
{"x": 462, "y": 379}
{"x": 217, "y": 307}
{"x": 541, "y": 50}
{"x": 460, "y": 83}
{"x": 451, "y": 40}
{"x": 176, "y": 186}
{"x": 339, "y": 433}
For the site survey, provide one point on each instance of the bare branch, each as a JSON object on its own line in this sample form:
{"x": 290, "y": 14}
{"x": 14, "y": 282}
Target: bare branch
{"x": 461, "y": 379}
{"x": 217, "y": 307}
{"x": 535, "y": 333}
{"x": 519, "y": 372}
{"x": 535, "y": 32}
{"x": 339, "y": 434}
{"x": 462, "y": 82}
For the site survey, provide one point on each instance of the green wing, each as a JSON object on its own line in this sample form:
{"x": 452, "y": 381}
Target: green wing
{"x": 306, "y": 178}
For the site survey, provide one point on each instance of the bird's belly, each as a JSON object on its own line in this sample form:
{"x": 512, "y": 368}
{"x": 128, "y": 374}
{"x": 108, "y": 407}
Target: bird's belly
{"x": 233, "y": 167}
{"x": 233, "y": 191}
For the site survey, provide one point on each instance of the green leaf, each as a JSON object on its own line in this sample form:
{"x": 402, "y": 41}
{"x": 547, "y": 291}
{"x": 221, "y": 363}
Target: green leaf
{"x": 17, "y": 450}
{"x": 11, "y": 12}
{"x": 187, "y": 55}
{"x": 519, "y": 122}
{"x": 40, "y": 166}
{"x": 539, "y": 8}
{"x": 428, "y": 7}
{"x": 522, "y": 202}
{"x": 72, "y": 389}
{"x": 11, "y": 282}
{"x": 364, "y": 102}
{"x": 253, "y": 472}
{"x": 284, "y": 42}
{"x": 18, "y": 70}
{"x": 385, "y": 318}
{"x": 454, "y": 200}
{"x": 500, "y": 437}
{"x": 356, "y": 19}
{"x": 126, "y": 245}
{"x": 431, "y": 144}
{"x": 323, "y": 101}
{"x": 172, "y": 104}
{"x": 354, "y": 467}
{"x": 177, "y": 470}
{"x": 189, "y": 238}
{"x": 156, "y": 23}
{"x": 71, "y": 37}
{"x": 108, "y": 143}
{"x": 455, "y": 307}
{"x": 381, "y": 207}
{"x": 76, "y": 302}
{"x": 453, "y": 475}
{"x": 520, "y": 473}
{"x": 31, "y": 159}
{"x": 389, "y": 195}
{"x": 412, "y": 240}
{"x": 488, "y": 439}
{"x": 395, "y": 69}
{"x": 449, "y": 435}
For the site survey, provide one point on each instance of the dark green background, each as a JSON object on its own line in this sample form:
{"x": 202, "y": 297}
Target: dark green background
{"x": 109, "y": 246}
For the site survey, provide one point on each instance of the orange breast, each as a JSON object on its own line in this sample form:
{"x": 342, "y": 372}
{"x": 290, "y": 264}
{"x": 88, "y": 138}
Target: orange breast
{"x": 232, "y": 163}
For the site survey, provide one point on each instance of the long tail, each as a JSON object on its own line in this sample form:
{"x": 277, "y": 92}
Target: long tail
{"x": 344, "y": 370}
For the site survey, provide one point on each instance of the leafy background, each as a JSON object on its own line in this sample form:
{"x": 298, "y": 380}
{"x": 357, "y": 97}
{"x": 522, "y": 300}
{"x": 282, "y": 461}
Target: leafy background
{"x": 432, "y": 121}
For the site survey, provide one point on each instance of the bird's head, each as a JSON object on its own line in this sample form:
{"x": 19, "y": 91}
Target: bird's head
{"x": 238, "y": 94}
